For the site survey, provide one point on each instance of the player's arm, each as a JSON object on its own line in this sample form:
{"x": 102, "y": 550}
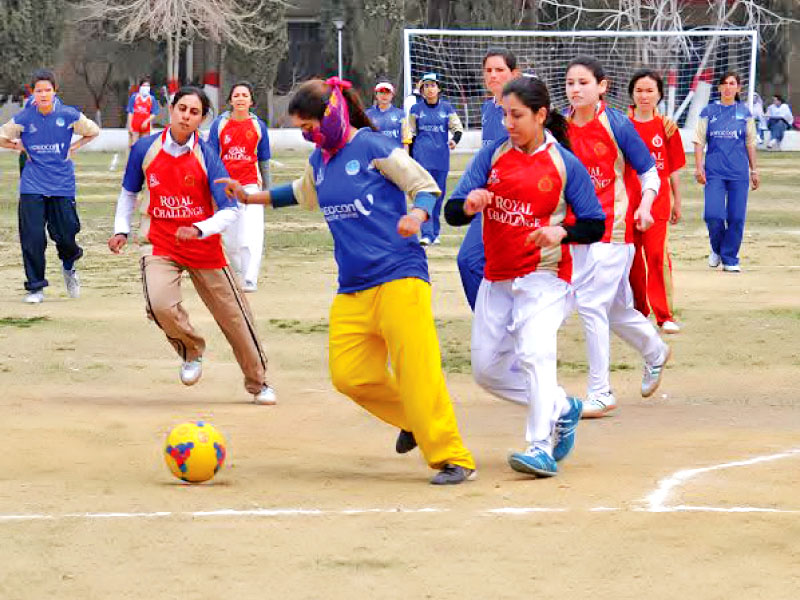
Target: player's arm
{"x": 132, "y": 183}
{"x": 455, "y": 127}
{"x": 750, "y": 144}
{"x": 639, "y": 157}
{"x": 87, "y": 129}
{"x": 301, "y": 191}
{"x": 10, "y": 136}
{"x": 676, "y": 160}
{"x": 699, "y": 142}
{"x": 457, "y": 210}
{"x": 410, "y": 130}
{"x": 129, "y": 110}
{"x": 263, "y": 155}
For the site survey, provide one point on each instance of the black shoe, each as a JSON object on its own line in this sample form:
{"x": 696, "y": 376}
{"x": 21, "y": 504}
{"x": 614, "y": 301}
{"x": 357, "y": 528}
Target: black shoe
{"x": 405, "y": 442}
{"x": 453, "y": 474}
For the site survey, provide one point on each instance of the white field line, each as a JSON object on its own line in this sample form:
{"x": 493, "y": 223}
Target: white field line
{"x": 657, "y": 500}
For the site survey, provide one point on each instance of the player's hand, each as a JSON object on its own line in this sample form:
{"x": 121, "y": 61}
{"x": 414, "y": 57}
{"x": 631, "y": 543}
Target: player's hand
{"x": 755, "y": 180}
{"x": 233, "y": 189}
{"x": 547, "y": 237}
{"x": 700, "y": 176}
{"x": 17, "y": 145}
{"x": 675, "y": 215}
{"x": 117, "y": 242}
{"x": 477, "y": 200}
{"x": 452, "y": 144}
{"x": 184, "y": 234}
{"x": 409, "y": 225}
{"x": 643, "y": 219}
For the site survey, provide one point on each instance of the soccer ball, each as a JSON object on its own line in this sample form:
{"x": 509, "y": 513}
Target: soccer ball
{"x": 195, "y": 451}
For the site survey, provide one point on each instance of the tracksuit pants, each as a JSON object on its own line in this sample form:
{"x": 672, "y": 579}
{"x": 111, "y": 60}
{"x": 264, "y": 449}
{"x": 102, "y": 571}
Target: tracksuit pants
{"x": 59, "y": 216}
{"x": 605, "y": 303}
{"x": 651, "y": 272}
{"x": 219, "y": 291}
{"x": 393, "y": 322}
{"x": 514, "y": 339}
{"x": 471, "y": 260}
{"x": 724, "y": 214}
{"x": 431, "y": 228}
{"x": 244, "y": 240}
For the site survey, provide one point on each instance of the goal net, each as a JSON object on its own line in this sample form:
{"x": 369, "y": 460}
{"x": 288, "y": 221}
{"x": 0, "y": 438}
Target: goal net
{"x": 690, "y": 62}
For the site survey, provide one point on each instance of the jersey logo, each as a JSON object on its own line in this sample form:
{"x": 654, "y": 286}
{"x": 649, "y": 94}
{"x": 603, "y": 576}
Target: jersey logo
{"x": 60, "y": 122}
{"x": 250, "y": 135}
{"x": 600, "y": 149}
{"x": 394, "y": 119}
{"x": 352, "y": 168}
{"x": 546, "y": 184}
{"x": 442, "y": 115}
{"x": 227, "y": 139}
{"x": 493, "y": 177}
{"x": 153, "y": 181}
{"x": 361, "y": 208}
{"x": 32, "y": 128}
{"x": 319, "y": 178}
{"x": 188, "y": 180}
{"x": 657, "y": 141}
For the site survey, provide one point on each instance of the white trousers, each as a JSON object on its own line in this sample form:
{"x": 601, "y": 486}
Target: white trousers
{"x": 514, "y": 339}
{"x": 244, "y": 240}
{"x": 605, "y": 303}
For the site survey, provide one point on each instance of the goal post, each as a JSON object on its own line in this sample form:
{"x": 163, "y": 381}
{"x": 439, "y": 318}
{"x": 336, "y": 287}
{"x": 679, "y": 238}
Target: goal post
{"x": 690, "y": 63}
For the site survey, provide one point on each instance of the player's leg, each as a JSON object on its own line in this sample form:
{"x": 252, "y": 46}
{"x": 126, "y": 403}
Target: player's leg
{"x": 33, "y": 242}
{"x": 432, "y": 227}
{"x": 63, "y": 226}
{"x": 405, "y": 320}
{"x": 736, "y": 215}
{"x": 494, "y": 357}
{"x": 639, "y": 277}
{"x": 358, "y": 357}
{"x": 714, "y": 214}
{"x": 220, "y": 292}
{"x": 161, "y": 284}
{"x": 659, "y": 271}
{"x": 232, "y": 242}
{"x": 252, "y": 245}
{"x": 471, "y": 260}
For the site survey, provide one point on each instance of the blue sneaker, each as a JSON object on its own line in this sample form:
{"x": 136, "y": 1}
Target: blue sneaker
{"x": 534, "y": 462}
{"x": 565, "y": 429}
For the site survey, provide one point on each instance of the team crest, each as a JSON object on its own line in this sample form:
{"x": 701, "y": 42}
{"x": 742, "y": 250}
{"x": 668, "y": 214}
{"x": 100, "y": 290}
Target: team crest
{"x": 153, "y": 180}
{"x": 600, "y": 149}
{"x": 545, "y": 184}
{"x": 657, "y": 141}
{"x": 250, "y": 135}
{"x": 60, "y": 122}
{"x": 352, "y": 168}
{"x": 188, "y": 180}
{"x": 493, "y": 177}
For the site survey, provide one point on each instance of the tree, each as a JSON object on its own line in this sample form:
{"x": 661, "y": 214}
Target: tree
{"x": 30, "y": 32}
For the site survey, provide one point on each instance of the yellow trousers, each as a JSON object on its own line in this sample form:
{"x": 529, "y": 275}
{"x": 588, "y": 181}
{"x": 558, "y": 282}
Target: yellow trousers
{"x": 394, "y": 321}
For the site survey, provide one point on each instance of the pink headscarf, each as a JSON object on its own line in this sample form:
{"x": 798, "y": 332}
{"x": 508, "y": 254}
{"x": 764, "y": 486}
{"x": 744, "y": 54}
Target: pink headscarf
{"x": 331, "y": 135}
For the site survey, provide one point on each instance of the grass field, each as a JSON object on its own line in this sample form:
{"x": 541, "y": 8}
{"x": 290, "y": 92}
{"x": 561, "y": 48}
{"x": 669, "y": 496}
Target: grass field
{"x": 693, "y": 493}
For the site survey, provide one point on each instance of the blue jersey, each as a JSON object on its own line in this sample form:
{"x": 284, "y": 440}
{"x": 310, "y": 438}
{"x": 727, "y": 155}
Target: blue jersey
{"x": 493, "y": 126}
{"x": 431, "y": 125}
{"x": 362, "y": 208}
{"x": 49, "y": 170}
{"x": 389, "y": 122}
{"x": 726, "y": 136}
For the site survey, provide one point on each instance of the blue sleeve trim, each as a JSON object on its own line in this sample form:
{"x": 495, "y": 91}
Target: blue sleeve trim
{"x": 630, "y": 142}
{"x": 426, "y": 201}
{"x": 477, "y": 172}
{"x": 579, "y": 191}
{"x": 282, "y": 196}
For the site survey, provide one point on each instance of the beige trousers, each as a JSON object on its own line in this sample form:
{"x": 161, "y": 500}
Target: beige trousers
{"x": 219, "y": 291}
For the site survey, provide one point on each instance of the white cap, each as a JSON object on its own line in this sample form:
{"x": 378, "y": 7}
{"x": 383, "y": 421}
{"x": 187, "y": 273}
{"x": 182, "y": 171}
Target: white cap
{"x": 384, "y": 85}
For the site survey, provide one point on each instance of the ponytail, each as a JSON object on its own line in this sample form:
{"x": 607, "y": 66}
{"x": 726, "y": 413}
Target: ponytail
{"x": 358, "y": 117}
{"x": 556, "y": 123}
{"x": 311, "y": 99}
{"x": 533, "y": 93}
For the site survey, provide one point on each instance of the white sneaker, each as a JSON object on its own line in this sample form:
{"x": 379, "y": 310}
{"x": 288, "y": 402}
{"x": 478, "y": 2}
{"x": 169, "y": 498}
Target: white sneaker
{"x": 714, "y": 260}
{"x": 437, "y": 242}
{"x": 249, "y": 287}
{"x": 771, "y": 144}
{"x": 597, "y": 405}
{"x": 266, "y": 396}
{"x": 651, "y": 377}
{"x": 670, "y": 327}
{"x": 36, "y": 297}
{"x": 191, "y": 371}
{"x": 426, "y": 241}
{"x": 73, "y": 283}
{"x": 732, "y": 268}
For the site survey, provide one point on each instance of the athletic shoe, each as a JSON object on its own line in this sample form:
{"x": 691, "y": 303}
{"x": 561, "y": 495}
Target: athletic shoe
{"x": 670, "y": 327}
{"x": 405, "y": 442}
{"x": 36, "y": 297}
{"x": 191, "y": 370}
{"x": 565, "y": 429}
{"x": 453, "y": 474}
{"x": 598, "y": 405}
{"x": 266, "y": 396}
{"x": 651, "y": 378}
{"x": 426, "y": 241}
{"x": 732, "y": 268}
{"x": 73, "y": 283}
{"x": 534, "y": 461}
{"x": 714, "y": 259}
{"x": 249, "y": 287}
{"x": 771, "y": 144}
{"x": 436, "y": 242}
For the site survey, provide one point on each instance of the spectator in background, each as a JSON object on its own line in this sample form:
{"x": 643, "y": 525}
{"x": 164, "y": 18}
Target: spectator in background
{"x": 142, "y": 107}
{"x": 779, "y": 119}
{"x": 388, "y": 119}
{"x": 761, "y": 118}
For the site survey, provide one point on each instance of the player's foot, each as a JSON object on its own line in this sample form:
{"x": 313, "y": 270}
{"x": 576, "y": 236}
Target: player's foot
{"x": 453, "y": 474}
{"x": 732, "y": 268}
{"x": 36, "y": 297}
{"x": 670, "y": 327}
{"x": 191, "y": 370}
{"x": 73, "y": 283}
{"x": 266, "y": 396}
{"x": 436, "y": 242}
{"x": 425, "y": 241}
{"x": 651, "y": 378}
{"x": 598, "y": 404}
{"x": 249, "y": 287}
{"x": 405, "y": 442}
{"x": 534, "y": 461}
{"x": 565, "y": 429}
{"x": 771, "y": 144}
{"x": 714, "y": 260}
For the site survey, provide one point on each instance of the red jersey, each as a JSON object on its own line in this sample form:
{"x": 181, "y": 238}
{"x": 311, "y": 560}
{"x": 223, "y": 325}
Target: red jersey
{"x": 142, "y": 109}
{"x": 528, "y": 194}
{"x": 178, "y": 194}
{"x": 662, "y": 138}
{"x": 241, "y": 146}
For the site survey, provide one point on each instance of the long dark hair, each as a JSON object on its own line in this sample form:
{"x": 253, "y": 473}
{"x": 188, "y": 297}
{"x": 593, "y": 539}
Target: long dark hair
{"x": 736, "y": 76}
{"x": 641, "y": 74}
{"x": 593, "y": 65}
{"x": 533, "y": 93}
{"x": 311, "y": 99}
{"x": 190, "y": 90}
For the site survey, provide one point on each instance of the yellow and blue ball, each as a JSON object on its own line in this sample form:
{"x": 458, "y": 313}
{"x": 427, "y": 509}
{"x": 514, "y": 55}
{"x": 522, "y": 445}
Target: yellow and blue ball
{"x": 195, "y": 452}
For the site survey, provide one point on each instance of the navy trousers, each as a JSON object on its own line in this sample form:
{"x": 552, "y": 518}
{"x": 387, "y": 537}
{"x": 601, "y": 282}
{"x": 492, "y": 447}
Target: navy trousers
{"x": 471, "y": 260}
{"x": 724, "y": 214}
{"x": 432, "y": 227}
{"x": 59, "y": 216}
